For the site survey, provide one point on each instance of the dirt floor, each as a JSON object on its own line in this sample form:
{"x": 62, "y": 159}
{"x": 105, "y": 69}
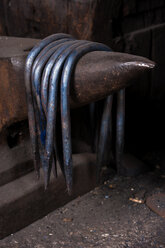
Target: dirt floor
{"x": 111, "y": 216}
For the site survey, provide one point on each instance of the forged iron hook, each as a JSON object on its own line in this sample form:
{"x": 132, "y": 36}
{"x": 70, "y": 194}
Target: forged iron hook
{"x": 29, "y": 62}
{"x": 37, "y": 69}
{"x": 52, "y": 106}
{"x": 105, "y": 135}
{"x": 65, "y": 110}
{"x": 52, "y": 100}
{"x": 120, "y": 123}
{"x": 47, "y": 49}
{"x": 46, "y": 74}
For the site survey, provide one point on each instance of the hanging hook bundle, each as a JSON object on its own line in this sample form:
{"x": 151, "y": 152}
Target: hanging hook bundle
{"x": 48, "y": 72}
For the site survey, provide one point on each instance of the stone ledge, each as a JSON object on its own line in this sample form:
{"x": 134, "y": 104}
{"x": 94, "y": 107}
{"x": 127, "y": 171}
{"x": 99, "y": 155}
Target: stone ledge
{"x": 24, "y": 200}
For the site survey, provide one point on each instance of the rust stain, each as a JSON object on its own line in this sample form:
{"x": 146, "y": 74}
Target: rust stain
{"x": 12, "y": 102}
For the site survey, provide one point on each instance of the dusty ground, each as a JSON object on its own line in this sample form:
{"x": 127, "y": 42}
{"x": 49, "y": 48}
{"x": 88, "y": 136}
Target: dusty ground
{"x": 105, "y": 217}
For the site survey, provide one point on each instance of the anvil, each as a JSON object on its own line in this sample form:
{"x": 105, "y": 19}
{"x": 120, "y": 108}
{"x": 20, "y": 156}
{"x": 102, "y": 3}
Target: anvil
{"x": 97, "y": 75}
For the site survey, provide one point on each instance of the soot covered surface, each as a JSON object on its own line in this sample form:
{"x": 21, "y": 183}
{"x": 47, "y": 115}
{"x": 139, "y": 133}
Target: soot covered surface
{"x": 112, "y": 215}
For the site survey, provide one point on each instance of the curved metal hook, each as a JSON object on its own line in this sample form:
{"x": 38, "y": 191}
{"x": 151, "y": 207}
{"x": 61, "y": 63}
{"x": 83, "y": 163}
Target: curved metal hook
{"x": 47, "y": 48}
{"x": 105, "y": 134}
{"x": 120, "y": 123}
{"x": 29, "y": 62}
{"x": 37, "y": 70}
{"x": 47, "y": 159}
{"x": 52, "y": 100}
{"x": 65, "y": 110}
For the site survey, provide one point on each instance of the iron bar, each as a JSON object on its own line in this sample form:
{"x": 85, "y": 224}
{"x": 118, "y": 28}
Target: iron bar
{"x": 65, "y": 109}
{"x": 29, "y": 62}
{"x": 120, "y": 123}
{"x": 53, "y": 96}
{"x": 105, "y": 135}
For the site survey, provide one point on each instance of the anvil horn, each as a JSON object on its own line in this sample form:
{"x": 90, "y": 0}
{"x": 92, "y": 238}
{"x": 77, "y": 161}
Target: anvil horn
{"x": 99, "y": 74}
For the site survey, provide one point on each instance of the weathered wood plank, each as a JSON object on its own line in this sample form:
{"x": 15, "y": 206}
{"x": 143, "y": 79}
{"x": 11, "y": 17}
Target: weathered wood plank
{"x": 35, "y": 18}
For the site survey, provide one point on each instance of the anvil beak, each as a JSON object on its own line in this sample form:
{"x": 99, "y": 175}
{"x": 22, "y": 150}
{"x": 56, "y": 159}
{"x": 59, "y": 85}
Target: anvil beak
{"x": 99, "y": 74}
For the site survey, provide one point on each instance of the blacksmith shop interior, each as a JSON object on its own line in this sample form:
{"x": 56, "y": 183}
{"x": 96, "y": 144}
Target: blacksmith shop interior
{"x": 82, "y": 127}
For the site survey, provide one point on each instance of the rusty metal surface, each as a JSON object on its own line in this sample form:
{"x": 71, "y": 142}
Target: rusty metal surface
{"x": 156, "y": 203}
{"x": 13, "y": 52}
{"x": 102, "y": 73}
